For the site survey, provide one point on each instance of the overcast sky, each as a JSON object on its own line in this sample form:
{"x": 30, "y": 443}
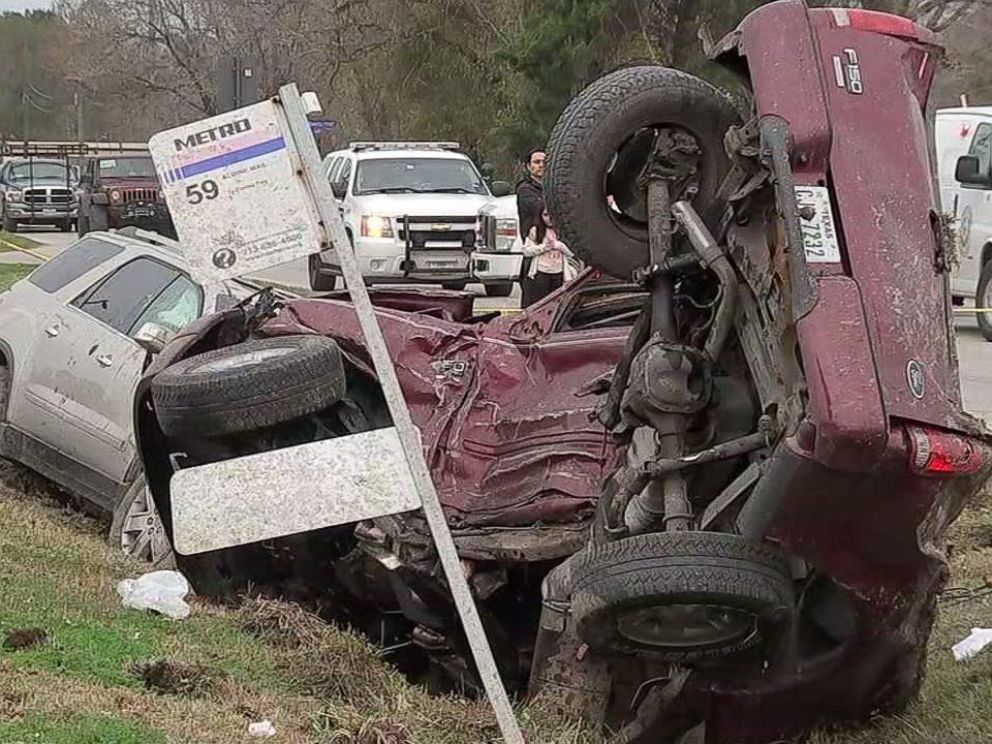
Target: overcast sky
{"x": 24, "y": 5}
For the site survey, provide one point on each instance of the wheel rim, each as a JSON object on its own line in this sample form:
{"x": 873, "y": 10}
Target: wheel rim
{"x": 628, "y": 164}
{"x": 244, "y": 359}
{"x": 142, "y": 535}
{"x": 686, "y": 626}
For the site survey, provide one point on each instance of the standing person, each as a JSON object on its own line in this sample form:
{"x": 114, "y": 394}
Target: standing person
{"x": 530, "y": 200}
{"x": 547, "y": 256}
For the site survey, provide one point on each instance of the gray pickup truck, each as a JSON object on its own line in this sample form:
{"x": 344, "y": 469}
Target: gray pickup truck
{"x": 38, "y": 191}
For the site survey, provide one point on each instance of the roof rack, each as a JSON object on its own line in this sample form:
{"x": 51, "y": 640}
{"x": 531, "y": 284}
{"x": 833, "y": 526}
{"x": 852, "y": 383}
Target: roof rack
{"x": 359, "y": 146}
{"x": 66, "y": 148}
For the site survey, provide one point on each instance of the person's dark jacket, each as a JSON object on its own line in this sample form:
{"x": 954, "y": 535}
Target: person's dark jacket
{"x": 530, "y": 204}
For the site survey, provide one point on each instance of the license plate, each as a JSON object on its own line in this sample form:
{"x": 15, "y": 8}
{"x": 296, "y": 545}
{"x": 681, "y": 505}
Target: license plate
{"x": 442, "y": 264}
{"x": 816, "y": 220}
{"x": 49, "y": 211}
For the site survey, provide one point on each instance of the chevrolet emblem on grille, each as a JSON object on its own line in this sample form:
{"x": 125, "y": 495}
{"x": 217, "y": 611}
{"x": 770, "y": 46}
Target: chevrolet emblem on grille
{"x": 440, "y": 226}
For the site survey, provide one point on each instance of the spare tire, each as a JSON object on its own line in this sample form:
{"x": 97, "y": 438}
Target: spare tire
{"x": 602, "y": 140}
{"x": 248, "y": 386}
{"x": 681, "y": 596}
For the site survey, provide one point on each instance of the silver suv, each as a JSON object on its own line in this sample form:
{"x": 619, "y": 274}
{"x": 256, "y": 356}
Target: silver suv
{"x": 75, "y": 337}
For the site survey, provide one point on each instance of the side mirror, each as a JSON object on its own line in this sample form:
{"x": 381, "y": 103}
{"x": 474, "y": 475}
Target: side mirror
{"x": 152, "y": 337}
{"x": 339, "y": 189}
{"x": 968, "y": 172}
{"x": 501, "y": 188}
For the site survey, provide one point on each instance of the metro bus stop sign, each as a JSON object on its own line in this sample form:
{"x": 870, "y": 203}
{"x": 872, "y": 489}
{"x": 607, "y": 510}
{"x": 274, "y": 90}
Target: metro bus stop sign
{"x": 246, "y": 192}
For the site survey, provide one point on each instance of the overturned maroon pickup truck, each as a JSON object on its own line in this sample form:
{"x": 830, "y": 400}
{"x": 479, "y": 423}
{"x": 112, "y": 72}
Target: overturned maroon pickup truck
{"x": 701, "y": 500}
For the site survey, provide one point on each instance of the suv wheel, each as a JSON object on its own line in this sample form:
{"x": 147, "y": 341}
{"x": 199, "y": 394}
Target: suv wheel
{"x": 137, "y": 530}
{"x": 319, "y": 281}
{"x": 983, "y": 299}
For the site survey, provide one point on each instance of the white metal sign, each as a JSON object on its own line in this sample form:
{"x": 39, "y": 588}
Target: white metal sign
{"x": 234, "y": 190}
{"x": 290, "y": 490}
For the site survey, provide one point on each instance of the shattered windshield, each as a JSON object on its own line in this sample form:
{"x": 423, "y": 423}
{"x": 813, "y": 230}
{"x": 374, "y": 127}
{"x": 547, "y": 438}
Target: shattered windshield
{"x": 418, "y": 176}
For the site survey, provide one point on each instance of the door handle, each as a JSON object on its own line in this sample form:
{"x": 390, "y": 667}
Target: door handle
{"x": 105, "y": 360}
{"x": 53, "y": 331}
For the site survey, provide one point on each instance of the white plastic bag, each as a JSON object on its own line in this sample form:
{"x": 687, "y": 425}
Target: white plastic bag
{"x": 973, "y": 644}
{"x": 262, "y": 729}
{"x": 160, "y": 591}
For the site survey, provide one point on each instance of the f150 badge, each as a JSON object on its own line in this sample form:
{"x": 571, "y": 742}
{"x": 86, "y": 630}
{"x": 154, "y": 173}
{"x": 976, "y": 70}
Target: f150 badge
{"x": 847, "y": 69}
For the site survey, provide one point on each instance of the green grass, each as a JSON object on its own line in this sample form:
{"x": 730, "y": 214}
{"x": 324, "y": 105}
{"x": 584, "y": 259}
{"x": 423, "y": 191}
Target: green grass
{"x": 79, "y": 730}
{"x": 12, "y": 273}
{"x": 18, "y": 241}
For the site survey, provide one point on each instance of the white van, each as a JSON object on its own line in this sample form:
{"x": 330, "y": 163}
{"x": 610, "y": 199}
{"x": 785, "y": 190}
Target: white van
{"x": 963, "y": 140}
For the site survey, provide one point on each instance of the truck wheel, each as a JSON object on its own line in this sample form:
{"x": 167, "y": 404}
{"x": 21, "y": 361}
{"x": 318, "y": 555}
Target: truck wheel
{"x": 248, "y": 386}
{"x": 9, "y": 224}
{"x": 320, "y": 282}
{"x": 66, "y": 225}
{"x": 97, "y": 219}
{"x": 137, "y": 530}
{"x": 502, "y": 289}
{"x": 603, "y": 141}
{"x": 983, "y": 299}
{"x": 681, "y": 596}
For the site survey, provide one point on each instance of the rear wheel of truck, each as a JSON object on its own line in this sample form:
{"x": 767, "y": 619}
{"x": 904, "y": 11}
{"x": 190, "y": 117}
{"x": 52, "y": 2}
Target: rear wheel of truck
{"x": 248, "y": 386}
{"x": 502, "y": 289}
{"x": 681, "y": 596}
{"x": 983, "y": 299}
{"x": 602, "y": 144}
{"x": 319, "y": 281}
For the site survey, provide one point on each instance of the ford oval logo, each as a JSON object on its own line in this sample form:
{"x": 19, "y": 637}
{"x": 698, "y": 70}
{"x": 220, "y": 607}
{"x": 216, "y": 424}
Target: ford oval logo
{"x": 916, "y": 379}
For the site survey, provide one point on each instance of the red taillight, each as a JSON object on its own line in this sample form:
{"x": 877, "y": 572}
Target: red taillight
{"x": 942, "y": 453}
{"x": 881, "y": 23}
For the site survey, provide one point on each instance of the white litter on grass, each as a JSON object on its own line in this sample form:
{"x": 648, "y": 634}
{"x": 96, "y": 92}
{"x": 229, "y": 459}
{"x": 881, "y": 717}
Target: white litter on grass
{"x": 159, "y": 591}
{"x": 262, "y": 729}
{"x": 973, "y": 644}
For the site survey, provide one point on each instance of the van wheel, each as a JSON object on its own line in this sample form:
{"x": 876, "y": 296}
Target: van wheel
{"x": 681, "y": 596}
{"x": 605, "y": 139}
{"x": 983, "y": 299}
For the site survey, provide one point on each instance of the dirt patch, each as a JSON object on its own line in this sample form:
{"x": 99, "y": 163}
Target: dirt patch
{"x": 174, "y": 678}
{"x": 22, "y": 638}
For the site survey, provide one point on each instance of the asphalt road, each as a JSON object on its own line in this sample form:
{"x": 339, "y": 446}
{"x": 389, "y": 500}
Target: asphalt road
{"x": 974, "y": 351}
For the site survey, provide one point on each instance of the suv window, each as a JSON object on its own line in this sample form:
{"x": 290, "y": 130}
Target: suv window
{"x": 126, "y": 167}
{"x": 122, "y": 297}
{"x": 333, "y": 169}
{"x": 610, "y": 306}
{"x": 72, "y": 263}
{"x": 418, "y": 176}
{"x": 981, "y": 146}
{"x": 345, "y": 175}
{"x": 177, "y": 306}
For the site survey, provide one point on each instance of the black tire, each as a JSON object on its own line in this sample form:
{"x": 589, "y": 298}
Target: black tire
{"x": 676, "y": 569}
{"x": 97, "y": 219}
{"x": 9, "y": 224}
{"x": 983, "y": 298}
{"x": 65, "y": 225}
{"x": 591, "y": 131}
{"x": 320, "y": 282}
{"x": 455, "y": 286}
{"x": 503, "y": 289}
{"x": 248, "y": 386}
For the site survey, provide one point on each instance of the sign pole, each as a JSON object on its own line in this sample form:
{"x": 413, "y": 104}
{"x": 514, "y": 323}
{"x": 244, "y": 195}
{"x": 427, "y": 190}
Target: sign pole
{"x": 320, "y": 190}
